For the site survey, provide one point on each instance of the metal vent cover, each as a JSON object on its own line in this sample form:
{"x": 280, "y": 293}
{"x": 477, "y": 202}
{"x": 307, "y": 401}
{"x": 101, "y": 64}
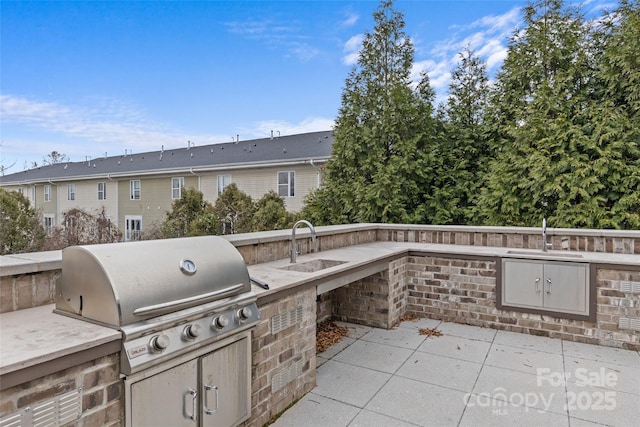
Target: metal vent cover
{"x": 54, "y": 412}
{"x": 628, "y": 323}
{"x": 630, "y": 287}
{"x": 286, "y": 375}
{"x": 282, "y": 321}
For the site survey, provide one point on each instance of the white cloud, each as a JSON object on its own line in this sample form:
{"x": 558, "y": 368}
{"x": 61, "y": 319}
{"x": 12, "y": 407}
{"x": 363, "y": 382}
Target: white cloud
{"x": 352, "y": 49}
{"x": 350, "y": 20}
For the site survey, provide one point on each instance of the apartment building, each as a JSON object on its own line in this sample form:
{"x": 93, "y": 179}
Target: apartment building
{"x": 136, "y": 189}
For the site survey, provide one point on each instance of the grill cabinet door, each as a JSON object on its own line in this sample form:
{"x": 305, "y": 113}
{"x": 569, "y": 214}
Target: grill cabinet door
{"x": 226, "y": 388}
{"x": 167, "y": 399}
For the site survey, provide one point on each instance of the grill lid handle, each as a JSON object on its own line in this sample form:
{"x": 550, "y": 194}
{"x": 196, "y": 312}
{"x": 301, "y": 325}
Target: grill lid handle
{"x": 176, "y": 304}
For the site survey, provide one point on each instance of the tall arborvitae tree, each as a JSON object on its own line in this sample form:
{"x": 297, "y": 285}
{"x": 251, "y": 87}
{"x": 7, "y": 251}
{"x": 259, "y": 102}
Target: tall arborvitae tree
{"x": 612, "y": 121}
{"x": 464, "y": 149}
{"x": 543, "y": 160}
{"x": 377, "y": 170}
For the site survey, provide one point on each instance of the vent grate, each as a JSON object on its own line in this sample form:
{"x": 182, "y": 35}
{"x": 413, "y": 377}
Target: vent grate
{"x": 630, "y": 287}
{"x": 282, "y": 321}
{"x": 54, "y": 412}
{"x": 628, "y": 323}
{"x": 286, "y": 375}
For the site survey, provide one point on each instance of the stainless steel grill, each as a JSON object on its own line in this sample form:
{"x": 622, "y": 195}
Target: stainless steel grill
{"x": 174, "y": 300}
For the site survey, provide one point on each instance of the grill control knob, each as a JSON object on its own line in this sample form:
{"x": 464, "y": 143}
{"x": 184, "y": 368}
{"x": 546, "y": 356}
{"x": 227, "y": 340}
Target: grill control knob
{"x": 159, "y": 343}
{"x": 220, "y": 322}
{"x": 244, "y": 313}
{"x": 191, "y": 331}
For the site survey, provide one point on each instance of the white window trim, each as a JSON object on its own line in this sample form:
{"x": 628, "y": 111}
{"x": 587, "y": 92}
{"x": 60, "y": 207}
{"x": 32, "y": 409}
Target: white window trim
{"x": 291, "y": 176}
{"x": 49, "y": 227}
{"x": 71, "y": 191}
{"x": 132, "y": 234}
{"x": 180, "y": 181}
{"x": 104, "y": 191}
{"x": 221, "y": 185}
{"x": 132, "y": 189}
{"x": 47, "y": 192}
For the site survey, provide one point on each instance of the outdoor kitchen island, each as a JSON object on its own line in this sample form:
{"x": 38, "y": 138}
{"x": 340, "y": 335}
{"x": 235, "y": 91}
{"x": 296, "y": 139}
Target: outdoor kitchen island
{"x": 372, "y": 283}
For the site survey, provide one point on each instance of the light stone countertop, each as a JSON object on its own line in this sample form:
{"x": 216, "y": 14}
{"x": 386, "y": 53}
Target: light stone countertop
{"x": 357, "y": 257}
{"x": 37, "y": 335}
{"x": 33, "y": 336}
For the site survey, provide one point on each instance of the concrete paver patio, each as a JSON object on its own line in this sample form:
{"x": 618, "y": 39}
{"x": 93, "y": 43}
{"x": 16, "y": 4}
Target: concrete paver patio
{"x": 469, "y": 376}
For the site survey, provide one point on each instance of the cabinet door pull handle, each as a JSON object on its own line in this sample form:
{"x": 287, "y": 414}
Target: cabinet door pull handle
{"x": 208, "y": 388}
{"x": 194, "y": 405}
{"x": 549, "y": 286}
{"x": 537, "y": 285}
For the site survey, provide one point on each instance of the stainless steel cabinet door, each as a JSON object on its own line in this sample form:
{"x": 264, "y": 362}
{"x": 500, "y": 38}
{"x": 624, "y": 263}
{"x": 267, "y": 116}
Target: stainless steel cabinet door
{"x": 566, "y": 288}
{"x": 522, "y": 284}
{"x": 225, "y": 388}
{"x": 169, "y": 398}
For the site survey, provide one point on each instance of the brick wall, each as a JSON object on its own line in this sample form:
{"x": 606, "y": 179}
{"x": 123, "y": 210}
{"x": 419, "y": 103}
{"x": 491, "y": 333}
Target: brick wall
{"x": 27, "y": 290}
{"x": 284, "y": 362}
{"x": 463, "y": 291}
{"x": 365, "y": 301}
{"x": 516, "y": 238}
{"x": 102, "y": 392}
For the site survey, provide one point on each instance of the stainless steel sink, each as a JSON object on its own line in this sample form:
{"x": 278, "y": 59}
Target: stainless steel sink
{"x": 563, "y": 254}
{"x": 311, "y": 266}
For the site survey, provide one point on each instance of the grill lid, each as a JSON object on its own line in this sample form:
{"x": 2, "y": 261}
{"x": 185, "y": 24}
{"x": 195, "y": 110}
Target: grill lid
{"x": 118, "y": 284}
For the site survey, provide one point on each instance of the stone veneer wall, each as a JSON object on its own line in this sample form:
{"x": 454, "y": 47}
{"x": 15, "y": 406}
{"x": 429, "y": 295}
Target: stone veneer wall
{"x": 102, "y": 392}
{"x": 463, "y": 291}
{"x": 284, "y": 362}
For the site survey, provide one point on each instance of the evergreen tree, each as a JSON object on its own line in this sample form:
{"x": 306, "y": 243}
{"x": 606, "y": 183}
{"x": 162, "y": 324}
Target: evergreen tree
{"x": 612, "y": 121}
{"x": 377, "y": 170}
{"x": 464, "y": 149}
{"x": 542, "y": 157}
{"x": 185, "y": 216}
{"x": 20, "y": 228}
{"x": 235, "y": 210}
{"x": 271, "y": 213}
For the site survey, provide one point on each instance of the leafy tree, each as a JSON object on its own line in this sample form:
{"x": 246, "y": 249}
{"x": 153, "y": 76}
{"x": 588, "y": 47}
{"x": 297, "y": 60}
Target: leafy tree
{"x": 377, "y": 171}
{"x": 235, "y": 210}
{"x": 83, "y": 228}
{"x": 271, "y": 213}
{"x": 463, "y": 152}
{"x": 20, "y": 227}
{"x": 190, "y": 215}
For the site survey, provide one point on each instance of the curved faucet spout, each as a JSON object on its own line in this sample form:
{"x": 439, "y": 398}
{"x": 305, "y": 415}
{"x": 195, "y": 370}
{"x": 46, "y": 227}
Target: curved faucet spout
{"x": 545, "y": 245}
{"x": 295, "y": 251}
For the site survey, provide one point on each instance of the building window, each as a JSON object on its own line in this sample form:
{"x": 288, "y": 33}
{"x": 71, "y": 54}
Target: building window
{"x": 21, "y": 191}
{"x": 286, "y": 184}
{"x": 223, "y": 183}
{"x": 47, "y": 193}
{"x": 71, "y": 191}
{"x": 133, "y": 227}
{"x": 102, "y": 191}
{"x": 176, "y": 187}
{"x": 134, "y": 189}
{"x": 49, "y": 224}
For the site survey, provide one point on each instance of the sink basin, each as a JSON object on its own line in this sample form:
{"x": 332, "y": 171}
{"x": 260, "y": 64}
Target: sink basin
{"x": 564, "y": 254}
{"x": 311, "y": 266}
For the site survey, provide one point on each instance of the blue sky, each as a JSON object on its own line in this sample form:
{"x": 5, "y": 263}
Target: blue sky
{"x": 89, "y": 78}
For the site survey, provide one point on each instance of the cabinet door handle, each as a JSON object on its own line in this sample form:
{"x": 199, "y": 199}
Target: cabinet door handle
{"x": 548, "y": 286}
{"x": 194, "y": 405}
{"x": 537, "y": 285}
{"x": 208, "y": 388}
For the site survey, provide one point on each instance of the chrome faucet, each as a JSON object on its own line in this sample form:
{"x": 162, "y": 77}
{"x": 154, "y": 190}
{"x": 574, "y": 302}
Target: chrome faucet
{"x": 545, "y": 245}
{"x": 295, "y": 249}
